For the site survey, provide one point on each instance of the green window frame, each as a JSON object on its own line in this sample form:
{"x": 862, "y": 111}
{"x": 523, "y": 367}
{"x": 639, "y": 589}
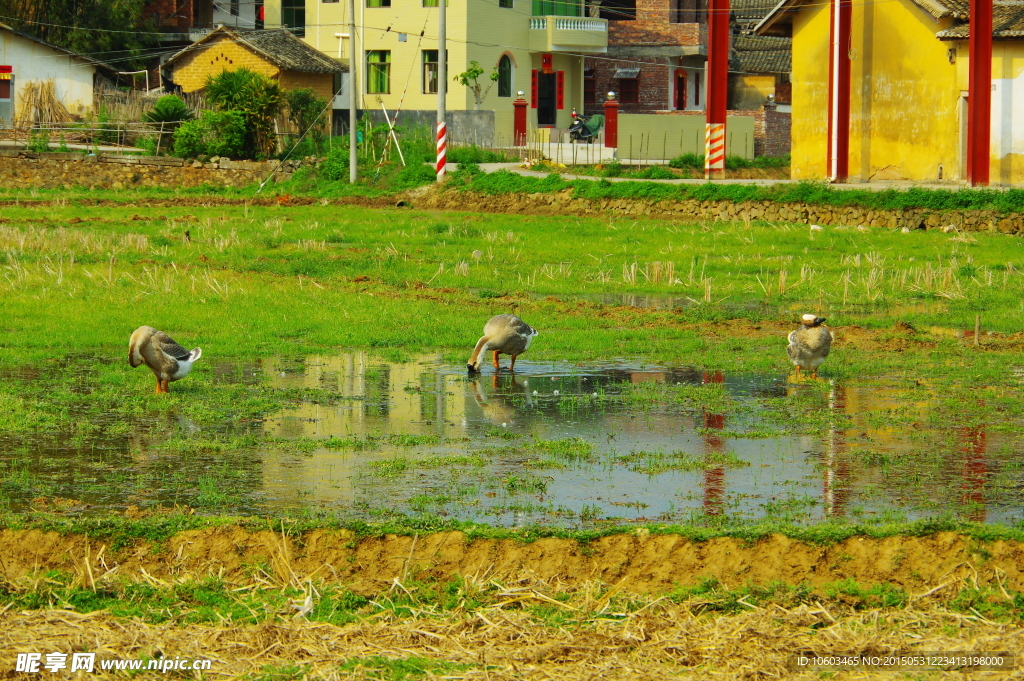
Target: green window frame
{"x": 507, "y": 4}
{"x": 293, "y": 16}
{"x": 378, "y": 72}
{"x": 557, "y": 8}
{"x": 430, "y": 72}
{"x": 505, "y": 76}
{"x": 378, "y": 3}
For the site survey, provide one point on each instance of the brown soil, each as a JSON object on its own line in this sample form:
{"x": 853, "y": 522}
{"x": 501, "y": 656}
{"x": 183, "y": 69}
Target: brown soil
{"x": 639, "y": 562}
{"x": 663, "y": 640}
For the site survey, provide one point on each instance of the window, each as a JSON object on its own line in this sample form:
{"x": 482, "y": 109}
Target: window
{"x": 618, "y": 10}
{"x": 558, "y": 8}
{"x": 293, "y": 16}
{"x": 504, "y": 76}
{"x": 378, "y": 3}
{"x": 505, "y": 3}
{"x": 689, "y": 12}
{"x": 378, "y": 72}
{"x": 430, "y": 72}
{"x": 326, "y": 1}
{"x": 629, "y": 90}
{"x": 233, "y": 8}
{"x": 589, "y": 86}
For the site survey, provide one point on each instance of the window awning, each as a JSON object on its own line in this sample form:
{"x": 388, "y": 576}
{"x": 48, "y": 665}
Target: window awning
{"x": 626, "y": 73}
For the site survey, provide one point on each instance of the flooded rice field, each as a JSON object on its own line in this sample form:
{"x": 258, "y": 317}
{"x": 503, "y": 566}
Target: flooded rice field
{"x": 553, "y": 443}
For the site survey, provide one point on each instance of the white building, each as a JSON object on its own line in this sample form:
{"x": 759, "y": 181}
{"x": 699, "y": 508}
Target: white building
{"x": 25, "y": 59}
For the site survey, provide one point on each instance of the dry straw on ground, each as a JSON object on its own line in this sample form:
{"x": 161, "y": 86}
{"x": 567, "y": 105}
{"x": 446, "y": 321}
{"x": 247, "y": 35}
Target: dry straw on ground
{"x": 660, "y": 640}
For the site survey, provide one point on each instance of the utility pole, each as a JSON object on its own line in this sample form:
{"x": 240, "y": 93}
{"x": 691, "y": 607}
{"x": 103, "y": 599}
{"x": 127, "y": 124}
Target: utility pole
{"x": 979, "y": 97}
{"x": 352, "y": 99}
{"x": 717, "y": 80}
{"x": 442, "y": 88}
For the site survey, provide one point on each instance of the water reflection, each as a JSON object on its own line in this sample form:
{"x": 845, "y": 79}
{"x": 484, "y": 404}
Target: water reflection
{"x": 650, "y": 443}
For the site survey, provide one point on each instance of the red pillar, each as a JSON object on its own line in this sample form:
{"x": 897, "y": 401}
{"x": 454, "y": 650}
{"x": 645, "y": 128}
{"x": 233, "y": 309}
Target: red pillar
{"x": 611, "y": 123}
{"x": 839, "y": 91}
{"x": 717, "y": 89}
{"x": 519, "y": 122}
{"x": 979, "y": 98}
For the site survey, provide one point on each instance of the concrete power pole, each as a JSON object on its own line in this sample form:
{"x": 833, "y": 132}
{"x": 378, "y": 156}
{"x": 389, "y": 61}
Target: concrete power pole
{"x": 352, "y": 99}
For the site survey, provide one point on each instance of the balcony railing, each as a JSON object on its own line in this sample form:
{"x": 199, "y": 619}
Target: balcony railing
{"x": 554, "y": 33}
{"x": 569, "y": 24}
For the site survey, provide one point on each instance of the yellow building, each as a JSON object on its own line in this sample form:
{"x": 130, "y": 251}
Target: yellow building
{"x": 536, "y": 46}
{"x": 277, "y": 54}
{"x": 908, "y": 94}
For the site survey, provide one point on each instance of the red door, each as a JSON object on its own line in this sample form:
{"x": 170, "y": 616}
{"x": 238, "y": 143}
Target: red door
{"x": 680, "y": 90}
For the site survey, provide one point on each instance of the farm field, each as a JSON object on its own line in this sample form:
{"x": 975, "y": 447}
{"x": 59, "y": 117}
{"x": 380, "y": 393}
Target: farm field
{"x": 651, "y": 494}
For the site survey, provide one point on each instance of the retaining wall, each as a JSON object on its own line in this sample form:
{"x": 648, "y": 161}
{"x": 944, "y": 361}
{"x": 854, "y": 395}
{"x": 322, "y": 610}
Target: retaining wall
{"x": 562, "y": 203}
{"x": 23, "y": 169}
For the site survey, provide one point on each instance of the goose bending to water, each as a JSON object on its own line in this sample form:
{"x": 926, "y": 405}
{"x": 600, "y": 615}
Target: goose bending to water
{"x": 504, "y": 333}
{"x": 809, "y": 345}
{"x": 165, "y": 358}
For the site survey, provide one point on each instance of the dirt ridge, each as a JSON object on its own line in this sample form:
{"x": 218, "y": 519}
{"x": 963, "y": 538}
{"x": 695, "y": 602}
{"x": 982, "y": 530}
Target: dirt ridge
{"x": 638, "y": 561}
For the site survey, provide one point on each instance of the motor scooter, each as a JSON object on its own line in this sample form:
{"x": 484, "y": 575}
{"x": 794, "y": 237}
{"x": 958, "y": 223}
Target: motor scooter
{"x": 584, "y": 128}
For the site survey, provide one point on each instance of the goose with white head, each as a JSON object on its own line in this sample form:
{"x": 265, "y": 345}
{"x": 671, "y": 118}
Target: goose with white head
{"x": 809, "y": 345}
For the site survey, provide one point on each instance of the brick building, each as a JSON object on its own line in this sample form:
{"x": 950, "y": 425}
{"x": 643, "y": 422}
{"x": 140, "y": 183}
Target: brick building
{"x": 276, "y": 53}
{"x": 656, "y": 55}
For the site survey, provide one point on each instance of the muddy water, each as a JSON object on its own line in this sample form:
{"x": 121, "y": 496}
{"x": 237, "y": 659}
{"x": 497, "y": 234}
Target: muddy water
{"x": 853, "y": 464}
{"x": 553, "y": 443}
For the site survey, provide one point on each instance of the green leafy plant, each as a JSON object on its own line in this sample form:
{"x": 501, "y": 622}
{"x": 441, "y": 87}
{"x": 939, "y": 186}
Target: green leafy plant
{"x": 306, "y": 110}
{"x": 167, "y": 114}
{"x": 257, "y": 97}
{"x": 39, "y": 142}
{"x": 471, "y": 79}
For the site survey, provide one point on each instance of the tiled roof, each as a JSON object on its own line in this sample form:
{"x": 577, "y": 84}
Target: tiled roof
{"x": 285, "y": 50}
{"x": 1007, "y": 20}
{"x": 762, "y": 54}
{"x": 751, "y": 10}
{"x": 278, "y": 46}
{"x": 1007, "y": 17}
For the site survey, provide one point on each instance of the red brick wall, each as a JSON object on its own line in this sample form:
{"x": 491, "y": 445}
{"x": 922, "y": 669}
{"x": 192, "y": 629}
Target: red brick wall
{"x": 654, "y": 90}
{"x": 652, "y": 27}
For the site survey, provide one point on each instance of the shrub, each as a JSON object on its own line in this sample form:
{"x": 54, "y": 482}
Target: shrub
{"x": 687, "y": 161}
{"x": 167, "y": 114}
{"x": 306, "y": 110}
{"x": 215, "y": 133}
{"x": 189, "y": 139}
{"x": 475, "y": 154}
{"x": 335, "y": 165}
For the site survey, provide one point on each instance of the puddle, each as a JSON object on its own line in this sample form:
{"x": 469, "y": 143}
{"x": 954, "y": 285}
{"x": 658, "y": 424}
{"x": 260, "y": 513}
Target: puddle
{"x": 555, "y": 443}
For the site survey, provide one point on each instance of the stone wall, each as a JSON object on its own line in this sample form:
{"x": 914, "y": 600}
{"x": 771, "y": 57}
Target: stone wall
{"x": 65, "y": 170}
{"x": 563, "y": 203}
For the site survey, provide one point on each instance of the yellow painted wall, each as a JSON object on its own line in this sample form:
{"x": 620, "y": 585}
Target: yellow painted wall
{"x": 221, "y": 54}
{"x": 477, "y": 30}
{"x": 904, "y": 97}
{"x": 906, "y": 107}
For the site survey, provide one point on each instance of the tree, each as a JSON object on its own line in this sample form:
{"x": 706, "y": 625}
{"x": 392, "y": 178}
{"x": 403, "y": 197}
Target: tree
{"x": 470, "y": 78}
{"x": 257, "y": 97}
{"x": 306, "y": 110}
{"x": 84, "y": 26}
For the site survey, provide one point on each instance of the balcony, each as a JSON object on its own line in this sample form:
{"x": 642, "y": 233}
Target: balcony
{"x": 568, "y": 34}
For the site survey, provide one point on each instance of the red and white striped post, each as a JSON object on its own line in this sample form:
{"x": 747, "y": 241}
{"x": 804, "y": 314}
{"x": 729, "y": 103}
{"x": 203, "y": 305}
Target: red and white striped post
{"x": 442, "y": 144}
{"x": 717, "y": 89}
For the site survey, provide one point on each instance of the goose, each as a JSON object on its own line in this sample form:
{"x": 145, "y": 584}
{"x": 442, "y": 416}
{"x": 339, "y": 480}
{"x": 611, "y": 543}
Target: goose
{"x": 167, "y": 360}
{"x": 809, "y": 345}
{"x": 503, "y": 333}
